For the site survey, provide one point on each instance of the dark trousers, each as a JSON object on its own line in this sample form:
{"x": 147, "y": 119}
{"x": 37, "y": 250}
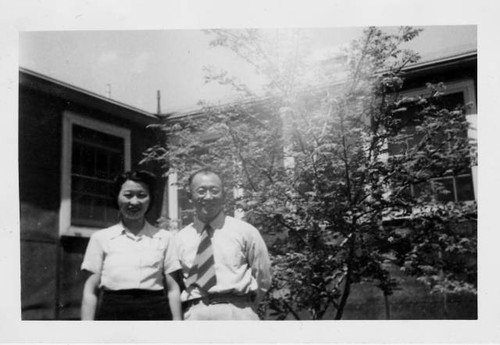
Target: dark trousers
{"x": 133, "y": 305}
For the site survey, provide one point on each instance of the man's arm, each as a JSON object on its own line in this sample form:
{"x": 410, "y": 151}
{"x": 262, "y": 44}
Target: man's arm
{"x": 258, "y": 258}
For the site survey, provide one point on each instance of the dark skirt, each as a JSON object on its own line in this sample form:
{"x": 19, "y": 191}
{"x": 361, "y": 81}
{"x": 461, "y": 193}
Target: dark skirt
{"x": 133, "y": 305}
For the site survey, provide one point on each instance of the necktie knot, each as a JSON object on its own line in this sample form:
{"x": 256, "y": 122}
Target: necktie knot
{"x": 208, "y": 229}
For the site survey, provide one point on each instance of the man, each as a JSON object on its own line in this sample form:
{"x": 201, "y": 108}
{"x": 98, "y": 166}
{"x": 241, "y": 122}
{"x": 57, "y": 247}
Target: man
{"x": 225, "y": 263}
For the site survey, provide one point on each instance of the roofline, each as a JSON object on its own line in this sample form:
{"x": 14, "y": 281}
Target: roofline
{"x": 193, "y": 113}
{"x": 410, "y": 69}
{"x": 443, "y": 60}
{"x": 87, "y": 93}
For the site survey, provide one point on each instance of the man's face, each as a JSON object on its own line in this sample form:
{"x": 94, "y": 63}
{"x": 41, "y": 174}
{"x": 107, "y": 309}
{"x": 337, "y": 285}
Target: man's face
{"x": 207, "y": 195}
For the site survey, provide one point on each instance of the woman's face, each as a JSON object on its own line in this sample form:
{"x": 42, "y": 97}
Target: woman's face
{"x": 133, "y": 200}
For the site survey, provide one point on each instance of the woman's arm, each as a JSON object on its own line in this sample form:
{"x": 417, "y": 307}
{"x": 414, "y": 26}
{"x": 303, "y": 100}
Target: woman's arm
{"x": 174, "y": 297}
{"x": 90, "y": 296}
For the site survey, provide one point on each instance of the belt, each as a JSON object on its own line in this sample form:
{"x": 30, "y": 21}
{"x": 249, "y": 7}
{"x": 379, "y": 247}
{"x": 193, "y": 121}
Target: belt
{"x": 219, "y": 299}
{"x": 134, "y": 292}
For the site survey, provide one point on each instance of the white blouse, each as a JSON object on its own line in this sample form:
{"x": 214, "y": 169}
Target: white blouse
{"x": 128, "y": 261}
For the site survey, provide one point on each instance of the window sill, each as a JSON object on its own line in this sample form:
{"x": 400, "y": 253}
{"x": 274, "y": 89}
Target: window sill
{"x": 80, "y": 231}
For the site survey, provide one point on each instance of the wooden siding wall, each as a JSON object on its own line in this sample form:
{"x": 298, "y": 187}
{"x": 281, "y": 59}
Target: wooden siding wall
{"x": 51, "y": 281}
{"x": 39, "y": 197}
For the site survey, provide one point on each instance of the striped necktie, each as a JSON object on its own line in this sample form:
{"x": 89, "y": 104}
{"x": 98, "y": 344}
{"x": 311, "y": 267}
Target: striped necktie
{"x": 202, "y": 273}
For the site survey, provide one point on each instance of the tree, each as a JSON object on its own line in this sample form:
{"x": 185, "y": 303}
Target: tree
{"x": 311, "y": 159}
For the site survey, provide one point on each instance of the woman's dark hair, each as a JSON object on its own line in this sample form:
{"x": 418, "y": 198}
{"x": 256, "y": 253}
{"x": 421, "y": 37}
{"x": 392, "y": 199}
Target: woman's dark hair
{"x": 142, "y": 176}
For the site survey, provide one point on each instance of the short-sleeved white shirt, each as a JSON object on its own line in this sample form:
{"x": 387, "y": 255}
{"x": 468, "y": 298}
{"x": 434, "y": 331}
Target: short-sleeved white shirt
{"x": 128, "y": 261}
{"x": 241, "y": 258}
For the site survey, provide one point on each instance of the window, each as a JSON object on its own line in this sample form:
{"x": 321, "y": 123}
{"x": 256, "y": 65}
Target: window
{"x": 186, "y": 210}
{"x": 93, "y": 154}
{"x": 410, "y": 119}
{"x": 445, "y": 189}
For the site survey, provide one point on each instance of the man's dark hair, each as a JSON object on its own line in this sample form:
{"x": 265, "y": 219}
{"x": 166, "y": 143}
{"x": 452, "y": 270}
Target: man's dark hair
{"x": 204, "y": 171}
{"x": 141, "y": 176}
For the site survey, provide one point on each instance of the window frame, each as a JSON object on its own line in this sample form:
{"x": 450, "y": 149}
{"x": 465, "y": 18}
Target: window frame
{"x": 466, "y": 87}
{"x": 69, "y": 119}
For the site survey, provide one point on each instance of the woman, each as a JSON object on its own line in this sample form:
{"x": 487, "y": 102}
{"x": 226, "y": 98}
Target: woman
{"x": 131, "y": 264}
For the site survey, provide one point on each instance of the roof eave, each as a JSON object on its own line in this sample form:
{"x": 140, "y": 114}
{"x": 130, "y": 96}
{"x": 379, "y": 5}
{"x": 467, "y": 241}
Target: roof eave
{"x": 441, "y": 62}
{"x": 75, "y": 94}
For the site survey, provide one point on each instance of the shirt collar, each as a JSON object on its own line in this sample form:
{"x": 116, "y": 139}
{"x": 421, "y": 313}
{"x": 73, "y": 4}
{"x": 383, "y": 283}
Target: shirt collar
{"x": 216, "y": 223}
{"x": 147, "y": 230}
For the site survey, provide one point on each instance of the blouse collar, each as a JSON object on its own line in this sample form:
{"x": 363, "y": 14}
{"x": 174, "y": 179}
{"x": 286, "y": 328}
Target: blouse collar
{"x": 147, "y": 230}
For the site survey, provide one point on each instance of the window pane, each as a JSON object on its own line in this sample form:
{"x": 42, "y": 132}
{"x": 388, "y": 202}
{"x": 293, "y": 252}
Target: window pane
{"x": 410, "y": 117}
{"x": 452, "y": 100}
{"x": 116, "y": 163}
{"x": 465, "y": 188}
{"x": 186, "y": 208}
{"x": 97, "y": 158}
{"x": 111, "y": 212}
{"x": 406, "y": 139}
{"x": 415, "y": 139}
{"x": 97, "y": 138}
{"x": 407, "y": 193}
{"x": 82, "y": 159}
{"x": 81, "y": 207}
{"x": 102, "y": 169}
{"x": 398, "y": 148}
{"x": 444, "y": 189}
{"x": 423, "y": 190}
{"x": 76, "y": 159}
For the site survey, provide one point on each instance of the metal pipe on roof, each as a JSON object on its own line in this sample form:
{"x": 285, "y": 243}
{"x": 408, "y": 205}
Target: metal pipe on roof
{"x": 158, "y": 98}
